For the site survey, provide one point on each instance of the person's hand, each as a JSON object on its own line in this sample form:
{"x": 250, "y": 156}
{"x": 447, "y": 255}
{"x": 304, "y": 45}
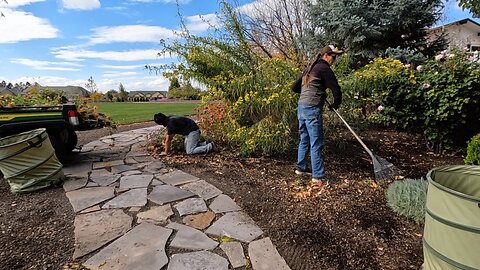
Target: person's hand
{"x": 335, "y": 105}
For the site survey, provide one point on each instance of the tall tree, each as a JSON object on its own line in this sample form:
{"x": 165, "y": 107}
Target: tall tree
{"x": 277, "y": 28}
{"x": 122, "y": 93}
{"x": 174, "y": 83}
{"x": 367, "y": 28}
{"x": 91, "y": 85}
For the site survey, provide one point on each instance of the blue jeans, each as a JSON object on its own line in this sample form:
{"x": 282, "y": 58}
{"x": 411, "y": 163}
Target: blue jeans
{"x": 193, "y": 147}
{"x": 310, "y": 128}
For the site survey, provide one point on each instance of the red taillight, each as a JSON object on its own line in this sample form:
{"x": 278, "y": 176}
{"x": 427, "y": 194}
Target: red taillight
{"x": 72, "y": 115}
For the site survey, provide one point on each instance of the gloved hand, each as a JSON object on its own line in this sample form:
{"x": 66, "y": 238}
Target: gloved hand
{"x": 335, "y": 105}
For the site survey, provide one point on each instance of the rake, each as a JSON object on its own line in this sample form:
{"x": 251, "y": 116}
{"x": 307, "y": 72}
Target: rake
{"x": 382, "y": 168}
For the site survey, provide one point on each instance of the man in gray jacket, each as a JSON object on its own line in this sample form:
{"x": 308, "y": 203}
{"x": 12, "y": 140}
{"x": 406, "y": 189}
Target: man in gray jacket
{"x": 182, "y": 126}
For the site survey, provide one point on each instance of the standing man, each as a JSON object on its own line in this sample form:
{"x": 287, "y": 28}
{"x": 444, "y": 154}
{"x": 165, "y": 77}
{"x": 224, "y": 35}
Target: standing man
{"x": 182, "y": 126}
{"x": 317, "y": 77}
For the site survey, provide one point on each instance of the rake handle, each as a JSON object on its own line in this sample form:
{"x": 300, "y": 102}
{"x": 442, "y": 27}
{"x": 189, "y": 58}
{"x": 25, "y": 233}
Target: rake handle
{"x": 351, "y": 130}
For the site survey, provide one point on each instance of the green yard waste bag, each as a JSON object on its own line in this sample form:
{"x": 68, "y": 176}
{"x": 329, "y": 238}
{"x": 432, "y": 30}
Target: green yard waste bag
{"x": 451, "y": 238}
{"x": 28, "y": 161}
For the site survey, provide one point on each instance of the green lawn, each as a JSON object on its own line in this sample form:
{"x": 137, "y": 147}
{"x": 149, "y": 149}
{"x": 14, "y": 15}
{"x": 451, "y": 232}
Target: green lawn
{"x": 133, "y": 112}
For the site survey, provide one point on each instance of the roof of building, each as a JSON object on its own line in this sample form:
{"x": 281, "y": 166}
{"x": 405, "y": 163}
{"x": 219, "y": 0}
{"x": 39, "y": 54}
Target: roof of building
{"x": 146, "y": 93}
{"x": 467, "y": 22}
{"x": 10, "y": 91}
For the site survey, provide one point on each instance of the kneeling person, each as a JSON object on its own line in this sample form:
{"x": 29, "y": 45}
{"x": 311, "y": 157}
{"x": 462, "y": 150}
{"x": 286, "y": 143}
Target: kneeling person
{"x": 182, "y": 126}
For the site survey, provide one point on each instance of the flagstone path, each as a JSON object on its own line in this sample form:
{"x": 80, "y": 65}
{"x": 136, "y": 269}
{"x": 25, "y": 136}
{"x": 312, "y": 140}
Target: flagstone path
{"x": 133, "y": 212}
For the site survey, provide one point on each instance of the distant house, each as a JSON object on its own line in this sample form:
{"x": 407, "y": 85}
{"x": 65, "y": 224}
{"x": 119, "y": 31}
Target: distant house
{"x": 10, "y": 91}
{"x": 462, "y": 34}
{"x": 142, "y": 96}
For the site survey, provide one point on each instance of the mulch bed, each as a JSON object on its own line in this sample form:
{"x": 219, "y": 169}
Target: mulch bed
{"x": 351, "y": 227}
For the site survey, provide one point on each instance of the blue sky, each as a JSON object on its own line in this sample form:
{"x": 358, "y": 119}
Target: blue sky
{"x": 64, "y": 42}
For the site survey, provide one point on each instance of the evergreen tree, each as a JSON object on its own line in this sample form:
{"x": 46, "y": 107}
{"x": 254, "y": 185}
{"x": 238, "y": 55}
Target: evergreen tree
{"x": 472, "y": 5}
{"x": 122, "y": 93}
{"x": 367, "y": 28}
{"x": 174, "y": 83}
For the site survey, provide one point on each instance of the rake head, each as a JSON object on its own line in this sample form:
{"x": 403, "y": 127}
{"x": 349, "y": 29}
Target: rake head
{"x": 383, "y": 169}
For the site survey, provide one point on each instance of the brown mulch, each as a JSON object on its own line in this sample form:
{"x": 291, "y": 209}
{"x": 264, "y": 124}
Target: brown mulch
{"x": 348, "y": 227}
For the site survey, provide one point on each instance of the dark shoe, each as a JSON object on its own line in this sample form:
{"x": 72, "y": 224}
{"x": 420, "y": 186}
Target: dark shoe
{"x": 214, "y": 148}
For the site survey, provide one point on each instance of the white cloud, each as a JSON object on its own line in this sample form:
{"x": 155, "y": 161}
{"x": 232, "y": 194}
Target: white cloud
{"x": 17, "y": 3}
{"x": 122, "y": 67}
{"x": 200, "y": 23}
{"x": 133, "y": 55}
{"x": 147, "y": 83}
{"x": 46, "y": 65}
{"x": 81, "y": 4}
{"x": 130, "y": 33}
{"x": 20, "y": 26}
{"x": 116, "y": 74}
{"x": 118, "y": 8}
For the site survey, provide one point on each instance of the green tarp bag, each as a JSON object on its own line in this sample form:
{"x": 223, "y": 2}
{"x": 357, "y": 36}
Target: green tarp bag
{"x": 451, "y": 238}
{"x": 28, "y": 161}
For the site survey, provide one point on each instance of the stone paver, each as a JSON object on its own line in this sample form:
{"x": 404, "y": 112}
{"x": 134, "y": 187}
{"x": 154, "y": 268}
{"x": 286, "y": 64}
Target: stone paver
{"x": 200, "y": 260}
{"x": 164, "y": 194}
{"x": 94, "y": 230}
{"x": 176, "y": 178}
{"x": 122, "y": 168}
{"x": 134, "y": 197}
{"x": 191, "y": 206}
{"x": 74, "y": 183}
{"x": 190, "y": 238}
{"x": 106, "y": 164}
{"x": 154, "y": 167}
{"x": 135, "y": 181}
{"x": 136, "y": 250}
{"x": 237, "y": 225}
{"x": 84, "y": 198}
{"x": 264, "y": 256}
{"x": 156, "y": 214}
{"x": 79, "y": 169}
{"x": 224, "y": 204}
{"x": 133, "y": 172}
{"x": 199, "y": 221}
{"x": 203, "y": 189}
{"x": 235, "y": 254}
{"x": 103, "y": 177}
{"x": 126, "y": 173}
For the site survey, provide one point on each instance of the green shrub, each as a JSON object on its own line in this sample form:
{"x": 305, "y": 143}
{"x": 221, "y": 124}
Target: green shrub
{"x": 441, "y": 99}
{"x": 451, "y": 101}
{"x": 408, "y": 198}
{"x": 473, "y": 151}
{"x": 384, "y": 91}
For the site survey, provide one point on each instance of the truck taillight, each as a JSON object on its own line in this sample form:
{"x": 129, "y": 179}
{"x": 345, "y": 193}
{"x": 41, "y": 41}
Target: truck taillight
{"x": 72, "y": 115}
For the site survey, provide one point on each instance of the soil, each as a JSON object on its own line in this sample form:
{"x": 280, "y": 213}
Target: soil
{"x": 350, "y": 227}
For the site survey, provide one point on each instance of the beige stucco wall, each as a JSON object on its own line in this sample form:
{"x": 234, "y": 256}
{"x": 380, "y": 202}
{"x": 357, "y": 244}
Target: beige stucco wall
{"x": 460, "y": 36}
